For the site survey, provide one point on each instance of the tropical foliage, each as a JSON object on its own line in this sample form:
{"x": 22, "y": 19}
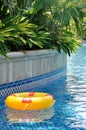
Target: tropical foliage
{"x": 34, "y": 24}
{"x": 18, "y": 34}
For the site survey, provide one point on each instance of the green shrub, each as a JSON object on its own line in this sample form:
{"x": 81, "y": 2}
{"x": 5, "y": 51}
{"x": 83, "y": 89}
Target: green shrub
{"x": 16, "y": 33}
{"x": 50, "y": 24}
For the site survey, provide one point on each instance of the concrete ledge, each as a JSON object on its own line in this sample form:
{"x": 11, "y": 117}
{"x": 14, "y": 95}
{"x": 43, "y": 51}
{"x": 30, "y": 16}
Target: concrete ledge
{"x": 29, "y": 64}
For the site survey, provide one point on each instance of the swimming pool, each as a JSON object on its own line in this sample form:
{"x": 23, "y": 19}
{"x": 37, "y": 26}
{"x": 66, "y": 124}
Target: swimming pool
{"x": 69, "y": 111}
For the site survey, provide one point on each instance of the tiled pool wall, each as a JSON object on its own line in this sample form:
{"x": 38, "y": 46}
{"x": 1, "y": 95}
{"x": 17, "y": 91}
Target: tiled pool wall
{"x": 30, "y": 69}
{"x": 37, "y": 81}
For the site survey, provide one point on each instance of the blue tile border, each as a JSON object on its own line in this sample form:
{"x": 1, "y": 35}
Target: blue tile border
{"x": 21, "y": 85}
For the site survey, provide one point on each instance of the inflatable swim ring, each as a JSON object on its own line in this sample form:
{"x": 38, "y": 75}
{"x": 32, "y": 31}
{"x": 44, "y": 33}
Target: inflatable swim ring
{"x": 29, "y": 101}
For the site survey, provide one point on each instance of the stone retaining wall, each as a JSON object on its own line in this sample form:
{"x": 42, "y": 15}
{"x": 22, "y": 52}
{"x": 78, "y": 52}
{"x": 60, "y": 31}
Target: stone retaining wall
{"x": 29, "y": 64}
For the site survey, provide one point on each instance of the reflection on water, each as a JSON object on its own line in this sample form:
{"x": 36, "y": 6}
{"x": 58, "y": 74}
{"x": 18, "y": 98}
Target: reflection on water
{"x": 16, "y": 116}
{"x": 76, "y": 83}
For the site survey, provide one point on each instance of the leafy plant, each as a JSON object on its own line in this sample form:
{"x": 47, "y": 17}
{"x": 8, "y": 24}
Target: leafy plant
{"x": 60, "y": 19}
{"x": 17, "y": 33}
{"x": 34, "y": 24}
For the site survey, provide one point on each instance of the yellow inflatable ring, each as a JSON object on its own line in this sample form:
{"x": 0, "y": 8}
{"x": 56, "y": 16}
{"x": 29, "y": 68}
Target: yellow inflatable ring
{"x": 30, "y": 101}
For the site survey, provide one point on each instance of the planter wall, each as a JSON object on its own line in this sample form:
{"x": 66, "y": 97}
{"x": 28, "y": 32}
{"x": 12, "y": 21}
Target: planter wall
{"x": 29, "y": 64}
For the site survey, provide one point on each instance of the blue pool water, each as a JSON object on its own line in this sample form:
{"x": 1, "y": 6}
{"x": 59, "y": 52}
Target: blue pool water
{"x": 69, "y": 111}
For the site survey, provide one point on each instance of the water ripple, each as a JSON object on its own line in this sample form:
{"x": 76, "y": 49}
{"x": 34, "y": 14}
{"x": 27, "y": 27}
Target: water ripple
{"x": 76, "y": 84}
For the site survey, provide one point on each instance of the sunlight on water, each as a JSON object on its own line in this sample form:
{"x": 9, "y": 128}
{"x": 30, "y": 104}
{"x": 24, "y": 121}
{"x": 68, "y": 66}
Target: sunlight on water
{"x": 76, "y": 83}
